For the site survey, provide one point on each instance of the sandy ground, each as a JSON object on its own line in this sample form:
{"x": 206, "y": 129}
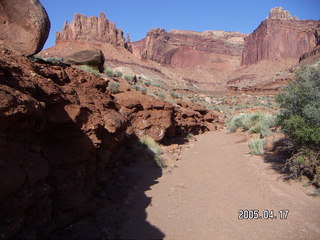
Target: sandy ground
{"x": 201, "y": 198}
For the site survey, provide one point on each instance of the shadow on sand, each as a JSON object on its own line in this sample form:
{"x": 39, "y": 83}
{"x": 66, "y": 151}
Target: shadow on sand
{"x": 124, "y": 213}
{"x": 278, "y": 156}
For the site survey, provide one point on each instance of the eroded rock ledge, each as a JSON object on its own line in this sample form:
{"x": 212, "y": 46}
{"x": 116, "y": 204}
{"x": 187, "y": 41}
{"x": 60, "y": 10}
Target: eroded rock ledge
{"x": 62, "y": 135}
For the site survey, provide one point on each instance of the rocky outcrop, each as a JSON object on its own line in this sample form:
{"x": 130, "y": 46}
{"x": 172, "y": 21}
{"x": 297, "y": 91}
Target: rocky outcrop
{"x": 280, "y": 13}
{"x": 313, "y": 55}
{"x": 209, "y": 49}
{"x": 279, "y": 37}
{"x": 97, "y": 30}
{"x": 24, "y": 26}
{"x": 92, "y": 57}
{"x": 60, "y": 139}
{"x": 62, "y": 135}
{"x": 158, "y": 119}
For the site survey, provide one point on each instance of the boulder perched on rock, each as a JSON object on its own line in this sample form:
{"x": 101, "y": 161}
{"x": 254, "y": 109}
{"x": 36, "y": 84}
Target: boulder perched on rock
{"x": 24, "y": 26}
{"x": 92, "y": 57}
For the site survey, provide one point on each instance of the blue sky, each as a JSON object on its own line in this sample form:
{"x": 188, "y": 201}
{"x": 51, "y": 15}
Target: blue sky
{"x": 137, "y": 17}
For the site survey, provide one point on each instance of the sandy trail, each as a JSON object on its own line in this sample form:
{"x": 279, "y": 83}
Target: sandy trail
{"x": 215, "y": 178}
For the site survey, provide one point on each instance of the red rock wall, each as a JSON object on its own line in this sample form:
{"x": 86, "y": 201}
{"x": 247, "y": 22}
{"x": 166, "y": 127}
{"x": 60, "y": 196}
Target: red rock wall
{"x": 210, "y": 49}
{"x": 62, "y": 135}
{"x": 96, "y": 30}
{"x": 277, "y": 39}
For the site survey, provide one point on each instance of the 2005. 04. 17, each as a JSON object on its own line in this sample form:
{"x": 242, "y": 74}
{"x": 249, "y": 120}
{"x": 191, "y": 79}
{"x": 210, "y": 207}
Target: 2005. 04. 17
{"x": 244, "y": 214}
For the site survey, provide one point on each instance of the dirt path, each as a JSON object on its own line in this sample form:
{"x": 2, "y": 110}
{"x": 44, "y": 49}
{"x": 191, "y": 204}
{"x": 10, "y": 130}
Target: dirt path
{"x": 215, "y": 178}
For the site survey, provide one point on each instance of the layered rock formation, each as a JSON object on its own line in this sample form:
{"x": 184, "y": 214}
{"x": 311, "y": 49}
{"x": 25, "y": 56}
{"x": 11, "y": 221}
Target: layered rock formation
{"x": 97, "y": 30}
{"x": 24, "y": 26}
{"x": 279, "y": 37}
{"x": 207, "y": 50}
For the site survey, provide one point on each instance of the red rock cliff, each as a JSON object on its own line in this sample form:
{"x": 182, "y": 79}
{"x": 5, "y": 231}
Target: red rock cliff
{"x": 279, "y": 37}
{"x": 96, "y": 30}
{"x": 209, "y": 49}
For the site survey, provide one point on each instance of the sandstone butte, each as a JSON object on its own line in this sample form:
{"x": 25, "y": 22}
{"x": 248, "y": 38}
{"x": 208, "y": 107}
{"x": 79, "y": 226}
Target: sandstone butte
{"x": 93, "y": 30}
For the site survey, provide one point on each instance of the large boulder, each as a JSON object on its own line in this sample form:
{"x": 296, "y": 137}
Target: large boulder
{"x": 24, "y": 26}
{"x": 92, "y": 57}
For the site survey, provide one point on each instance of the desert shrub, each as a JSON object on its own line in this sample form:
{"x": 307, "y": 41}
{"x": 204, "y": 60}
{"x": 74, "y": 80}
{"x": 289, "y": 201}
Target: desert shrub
{"x": 305, "y": 161}
{"x": 128, "y": 78}
{"x": 140, "y": 89}
{"x": 300, "y": 104}
{"x": 89, "y": 69}
{"x": 175, "y": 95}
{"x": 299, "y": 118}
{"x": 256, "y": 146}
{"x": 35, "y": 58}
{"x": 154, "y": 148}
{"x": 159, "y": 94}
{"x": 119, "y": 74}
{"x": 54, "y": 60}
{"x": 109, "y": 72}
{"x": 114, "y": 87}
{"x": 252, "y": 122}
{"x": 147, "y": 83}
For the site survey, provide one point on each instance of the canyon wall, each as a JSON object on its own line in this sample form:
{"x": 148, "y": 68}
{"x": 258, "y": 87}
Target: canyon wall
{"x": 187, "y": 49}
{"x": 280, "y": 37}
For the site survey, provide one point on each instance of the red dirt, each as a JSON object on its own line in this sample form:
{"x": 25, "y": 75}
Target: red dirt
{"x": 214, "y": 180}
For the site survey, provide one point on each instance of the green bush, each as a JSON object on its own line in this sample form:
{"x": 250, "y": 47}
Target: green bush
{"x": 128, "y": 78}
{"x": 256, "y": 146}
{"x": 140, "y": 89}
{"x": 109, "y": 72}
{"x": 54, "y": 60}
{"x": 300, "y": 103}
{"x": 147, "y": 83}
{"x": 119, "y": 74}
{"x": 175, "y": 95}
{"x": 89, "y": 69}
{"x": 159, "y": 94}
{"x": 114, "y": 87}
{"x": 300, "y": 120}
